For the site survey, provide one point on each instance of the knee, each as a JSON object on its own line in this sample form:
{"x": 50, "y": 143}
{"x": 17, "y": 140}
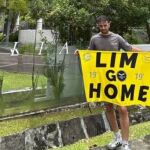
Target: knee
{"x": 109, "y": 108}
{"x": 123, "y": 110}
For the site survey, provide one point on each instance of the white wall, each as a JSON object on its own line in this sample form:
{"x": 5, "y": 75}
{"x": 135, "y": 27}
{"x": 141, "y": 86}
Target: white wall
{"x": 28, "y": 36}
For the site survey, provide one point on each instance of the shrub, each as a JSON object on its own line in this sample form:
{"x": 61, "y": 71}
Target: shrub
{"x": 2, "y": 36}
{"x": 26, "y": 48}
{"x": 13, "y": 37}
{"x": 131, "y": 38}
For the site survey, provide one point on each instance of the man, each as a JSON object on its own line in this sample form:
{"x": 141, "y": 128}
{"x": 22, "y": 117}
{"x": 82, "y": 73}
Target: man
{"x": 106, "y": 40}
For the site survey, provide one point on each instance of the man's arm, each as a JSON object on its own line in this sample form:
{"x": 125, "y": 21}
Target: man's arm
{"x": 135, "y": 49}
{"x": 123, "y": 44}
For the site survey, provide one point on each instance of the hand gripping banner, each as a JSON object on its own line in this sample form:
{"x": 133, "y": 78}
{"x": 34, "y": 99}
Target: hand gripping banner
{"x": 121, "y": 78}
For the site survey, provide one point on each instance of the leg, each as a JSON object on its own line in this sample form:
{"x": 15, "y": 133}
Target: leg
{"x": 124, "y": 122}
{"x": 111, "y": 116}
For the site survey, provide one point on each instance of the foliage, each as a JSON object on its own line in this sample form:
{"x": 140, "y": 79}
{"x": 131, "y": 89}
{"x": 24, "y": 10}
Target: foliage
{"x": 12, "y": 9}
{"x": 75, "y": 19}
{"x": 1, "y": 36}
{"x": 13, "y": 37}
{"x": 131, "y": 38}
{"x": 71, "y": 20}
{"x": 127, "y": 13}
{"x": 17, "y": 6}
{"x": 55, "y": 66}
{"x": 2, "y": 5}
{"x": 54, "y": 70}
{"x": 31, "y": 21}
{"x": 26, "y": 48}
{"x": 39, "y": 8}
{"x": 2, "y": 19}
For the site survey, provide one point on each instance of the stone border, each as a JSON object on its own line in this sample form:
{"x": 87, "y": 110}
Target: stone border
{"x": 55, "y": 135}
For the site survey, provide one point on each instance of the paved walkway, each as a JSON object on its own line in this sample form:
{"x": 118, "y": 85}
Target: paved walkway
{"x": 141, "y": 144}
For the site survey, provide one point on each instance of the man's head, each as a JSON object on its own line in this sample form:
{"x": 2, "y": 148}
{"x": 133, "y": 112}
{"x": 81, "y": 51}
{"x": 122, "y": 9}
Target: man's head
{"x": 104, "y": 24}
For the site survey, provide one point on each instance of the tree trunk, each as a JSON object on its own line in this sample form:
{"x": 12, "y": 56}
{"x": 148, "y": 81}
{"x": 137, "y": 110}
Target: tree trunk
{"x": 8, "y": 25}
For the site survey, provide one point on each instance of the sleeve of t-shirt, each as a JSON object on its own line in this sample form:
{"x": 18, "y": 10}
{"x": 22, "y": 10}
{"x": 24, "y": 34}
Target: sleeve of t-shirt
{"x": 123, "y": 44}
{"x": 91, "y": 44}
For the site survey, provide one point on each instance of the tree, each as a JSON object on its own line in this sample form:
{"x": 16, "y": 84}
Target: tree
{"x": 75, "y": 19}
{"x": 37, "y": 9}
{"x": 127, "y": 13}
{"x": 12, "y": 9}
{"x": 70, "y": 19}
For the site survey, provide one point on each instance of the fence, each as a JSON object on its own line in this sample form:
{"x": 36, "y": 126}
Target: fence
{"x": 31, "y": 83}
{"x": 26, "y": 86}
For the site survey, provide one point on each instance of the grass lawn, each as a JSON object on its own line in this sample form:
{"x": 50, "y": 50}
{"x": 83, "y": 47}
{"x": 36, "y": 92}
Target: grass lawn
{"x": 15, "y": 81}
{"x": 136, "y": 132}
{"x": 22, "y": 102}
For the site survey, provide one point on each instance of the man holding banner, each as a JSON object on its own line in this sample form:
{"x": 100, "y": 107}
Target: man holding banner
{"x": 106, "y": 40}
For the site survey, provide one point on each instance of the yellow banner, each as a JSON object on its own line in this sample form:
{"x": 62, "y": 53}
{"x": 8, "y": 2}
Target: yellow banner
{"x": 121, "y": 78}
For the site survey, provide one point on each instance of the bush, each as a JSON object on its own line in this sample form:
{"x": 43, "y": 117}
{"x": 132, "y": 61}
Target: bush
{"x": 26, "y": 48}
{"x": 131, "y": 38}
{"x": 2, "y": 36}
{"x": 13, "y": 37}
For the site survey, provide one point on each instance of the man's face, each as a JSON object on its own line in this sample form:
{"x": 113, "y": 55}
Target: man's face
{"x": 104, "y": 26}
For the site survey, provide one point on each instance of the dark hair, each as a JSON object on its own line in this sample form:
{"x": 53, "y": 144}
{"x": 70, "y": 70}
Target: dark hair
{"x": 102, "y": 18}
